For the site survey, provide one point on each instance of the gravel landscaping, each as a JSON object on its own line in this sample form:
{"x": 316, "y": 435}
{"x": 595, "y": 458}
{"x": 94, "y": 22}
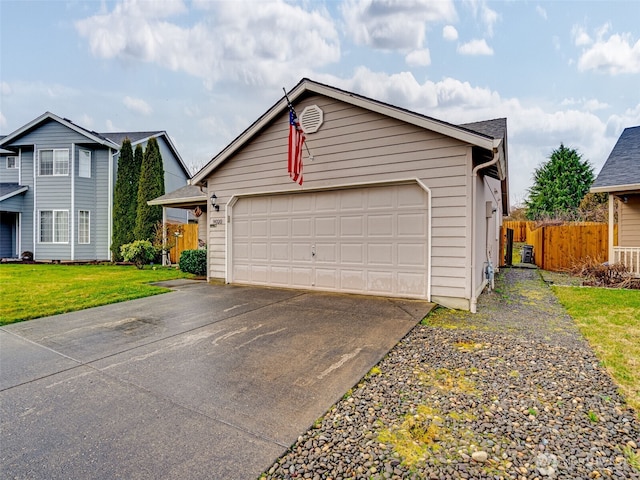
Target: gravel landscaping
{"x": 511, "y": 392}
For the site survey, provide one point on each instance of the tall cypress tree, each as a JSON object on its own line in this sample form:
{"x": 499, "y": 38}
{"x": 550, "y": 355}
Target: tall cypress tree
{"x": 151, "y": 186}
{"x": 125, "y": 199}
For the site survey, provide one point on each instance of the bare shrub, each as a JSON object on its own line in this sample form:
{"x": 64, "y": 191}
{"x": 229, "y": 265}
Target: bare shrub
{"x": 597, "y": 274}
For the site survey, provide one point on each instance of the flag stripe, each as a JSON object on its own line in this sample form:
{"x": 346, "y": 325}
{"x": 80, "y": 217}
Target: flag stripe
{"x": 294, "y": 155}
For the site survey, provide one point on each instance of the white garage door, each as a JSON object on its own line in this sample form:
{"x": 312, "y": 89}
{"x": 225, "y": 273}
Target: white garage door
{"x": 364, "y": 240}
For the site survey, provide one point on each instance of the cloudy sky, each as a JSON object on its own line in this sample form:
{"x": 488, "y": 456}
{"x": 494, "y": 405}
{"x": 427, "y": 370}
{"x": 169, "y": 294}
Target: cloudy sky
{"x": 204, "y": 70}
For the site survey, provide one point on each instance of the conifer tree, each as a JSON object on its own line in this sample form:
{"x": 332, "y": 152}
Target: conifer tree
{"x": 125, "y": 199}
{"x": 150, "y": 186}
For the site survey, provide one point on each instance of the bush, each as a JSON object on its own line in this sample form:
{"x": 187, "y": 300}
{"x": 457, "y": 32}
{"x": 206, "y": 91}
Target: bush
{"x": 139, "y": 252}
{"x": 194, "y": 261}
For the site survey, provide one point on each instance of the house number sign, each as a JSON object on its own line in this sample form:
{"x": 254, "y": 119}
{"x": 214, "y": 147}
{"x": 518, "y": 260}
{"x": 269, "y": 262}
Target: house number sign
{"x": 216, "y": 221}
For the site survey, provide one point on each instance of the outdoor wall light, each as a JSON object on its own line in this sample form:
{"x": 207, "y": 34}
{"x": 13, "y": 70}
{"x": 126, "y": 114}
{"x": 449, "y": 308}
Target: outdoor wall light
{"x": 214, "y": 197}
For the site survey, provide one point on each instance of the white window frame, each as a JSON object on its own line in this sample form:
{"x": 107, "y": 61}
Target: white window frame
{"x": 84, "y": 227}
{"x": 60, "y": 167}
{"x": 55, "y": 234}
{"x": 15, "y": 162}
{"x": 83, "y": 157}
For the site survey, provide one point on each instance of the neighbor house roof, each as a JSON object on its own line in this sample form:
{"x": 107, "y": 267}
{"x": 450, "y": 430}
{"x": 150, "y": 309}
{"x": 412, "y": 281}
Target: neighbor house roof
{"x": 47, "y": 116}
{"x": 8, "y": 190}
{"x": 141, "y": 137}
{"x": 621, "y": 171}
{"x": 478, "y": 137}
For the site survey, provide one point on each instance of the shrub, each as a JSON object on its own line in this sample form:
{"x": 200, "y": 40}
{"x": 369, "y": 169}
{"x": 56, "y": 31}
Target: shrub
{"x": 194, "y": 261}
{"x": 139, "y": 252}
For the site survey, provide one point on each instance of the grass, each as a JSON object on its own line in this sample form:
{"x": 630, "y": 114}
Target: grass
{"x": 610, "y": 320}
{"x": 30, "y": 291}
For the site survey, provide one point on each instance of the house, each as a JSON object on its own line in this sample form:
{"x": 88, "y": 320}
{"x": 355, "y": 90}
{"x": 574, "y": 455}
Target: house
{"x": 56, "y": 188}
{"x": 393, "y": 203}
{"x": 620, "y": 179}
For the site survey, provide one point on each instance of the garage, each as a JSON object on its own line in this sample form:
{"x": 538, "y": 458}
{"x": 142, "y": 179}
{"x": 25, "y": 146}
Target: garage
{"x": 366, "y": 239}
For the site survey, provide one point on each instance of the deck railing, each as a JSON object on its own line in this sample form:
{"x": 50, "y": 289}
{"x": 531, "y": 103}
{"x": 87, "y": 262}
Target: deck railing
{"x": 629, "y": 257}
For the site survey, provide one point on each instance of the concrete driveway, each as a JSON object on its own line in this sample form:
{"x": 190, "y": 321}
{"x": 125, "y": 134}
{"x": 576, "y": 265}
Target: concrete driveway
{"x": 208, "y": 381}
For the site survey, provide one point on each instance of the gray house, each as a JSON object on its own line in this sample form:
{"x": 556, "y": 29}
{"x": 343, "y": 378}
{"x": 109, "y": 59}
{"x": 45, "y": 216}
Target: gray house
{"x": 56, "y": 188}
{"x": 620, "y": 178}
{"x": 393, "y": 203}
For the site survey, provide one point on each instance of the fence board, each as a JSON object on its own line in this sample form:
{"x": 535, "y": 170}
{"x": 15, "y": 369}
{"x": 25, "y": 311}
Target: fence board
{"x": 519, "y": 229}
{"x": 187, "y": 241}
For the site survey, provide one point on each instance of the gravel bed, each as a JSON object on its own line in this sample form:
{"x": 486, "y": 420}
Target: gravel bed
{"x": 511, "y": 392}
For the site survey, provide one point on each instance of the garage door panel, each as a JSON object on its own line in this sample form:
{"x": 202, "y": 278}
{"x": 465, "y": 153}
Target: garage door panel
{"x": 352, "y": 280}
{"x": 279, "y": 228}
{"x": 352, "y": 226}
{"x": 361, "y": 240}
{"x": 380, "y": 225}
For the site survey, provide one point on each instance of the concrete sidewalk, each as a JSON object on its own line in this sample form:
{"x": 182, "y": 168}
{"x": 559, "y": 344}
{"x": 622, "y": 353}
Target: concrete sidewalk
{"x": 208, "y": 381}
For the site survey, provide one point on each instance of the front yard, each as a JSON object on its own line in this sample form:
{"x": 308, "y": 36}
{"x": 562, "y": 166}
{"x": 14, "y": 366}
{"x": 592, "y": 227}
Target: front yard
{"x": 38, "y": 290}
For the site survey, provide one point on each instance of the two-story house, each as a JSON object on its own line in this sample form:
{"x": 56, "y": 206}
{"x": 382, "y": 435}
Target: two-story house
{"x": 56, "y": 188}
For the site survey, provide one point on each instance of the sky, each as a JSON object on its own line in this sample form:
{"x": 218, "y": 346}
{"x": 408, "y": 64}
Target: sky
{"x": 202, "y": 70}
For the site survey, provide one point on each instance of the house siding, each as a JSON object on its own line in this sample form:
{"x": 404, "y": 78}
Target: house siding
{"x": 355, "y": 145}
{"x": 629, "y": 222}
{"x": 100, "y": 214}
{"x": 86, "y": 199}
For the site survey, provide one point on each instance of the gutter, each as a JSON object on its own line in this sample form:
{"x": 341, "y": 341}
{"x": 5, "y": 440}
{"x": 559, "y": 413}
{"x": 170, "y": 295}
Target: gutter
{"x": 474, "y": 177}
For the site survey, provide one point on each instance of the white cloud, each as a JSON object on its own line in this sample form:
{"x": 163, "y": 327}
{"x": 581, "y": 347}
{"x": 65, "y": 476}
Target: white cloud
{"x": 475, "y": 47}
{"x": 485, "y": 14}
{"x": 3, "y": 121}
{"x": 5, "y": 89}
{"x": 418, "y": 58}
{"x": 137, "y": 105}
{"x": 589, "y": 105}
{"x": 616, "y": 55}
{"x": 392, "y": 25}
{"x": 450, "y": 33}
{"x": 541, "y": 11}
{"x": 254, "y": 43}
{"x": 580, "y": 36}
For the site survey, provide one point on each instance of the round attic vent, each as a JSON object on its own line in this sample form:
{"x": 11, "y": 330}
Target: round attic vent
{"x": 311, "y": 119}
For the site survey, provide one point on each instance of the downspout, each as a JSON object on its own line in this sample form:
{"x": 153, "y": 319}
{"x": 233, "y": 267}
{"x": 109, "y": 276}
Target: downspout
{"x": 36, "y": 220}
{"x": 474, "y": 177}
{"x": 110, "y": 172}
{"x": 73, "y": 201}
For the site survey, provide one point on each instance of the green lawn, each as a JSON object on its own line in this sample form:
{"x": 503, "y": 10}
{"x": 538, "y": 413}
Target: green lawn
{"x": 610, "y": 321}
{"x": 37, "y": 290}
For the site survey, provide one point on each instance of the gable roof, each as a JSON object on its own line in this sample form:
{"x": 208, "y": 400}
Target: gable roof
{"x": 47, "y": 116}
{"x": 621, "y": 171}
{"x": 142, "y": 137}
{"x": 111, "y": 140}
{"x": 187, "y": 196}
{"x": 481, "y": 136}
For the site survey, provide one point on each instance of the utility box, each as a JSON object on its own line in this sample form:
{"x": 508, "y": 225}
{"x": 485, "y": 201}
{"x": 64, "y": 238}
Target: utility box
{"x": 527, "y": 254}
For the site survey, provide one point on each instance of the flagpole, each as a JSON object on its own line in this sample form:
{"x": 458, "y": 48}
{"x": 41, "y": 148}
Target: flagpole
{"x": 294, "y": 112}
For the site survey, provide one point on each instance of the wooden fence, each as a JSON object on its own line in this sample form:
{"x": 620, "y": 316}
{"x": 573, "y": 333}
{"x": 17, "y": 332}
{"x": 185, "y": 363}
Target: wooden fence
{"x": 559, "y": 247}
{"x": 188, "y": 240}
{"x": 519, "y": 229}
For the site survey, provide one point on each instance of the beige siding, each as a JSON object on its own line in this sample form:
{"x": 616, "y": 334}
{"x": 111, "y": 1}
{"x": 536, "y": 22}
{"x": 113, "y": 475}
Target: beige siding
{"x": 358, "y": 146}
{"x": 629, "y": 222}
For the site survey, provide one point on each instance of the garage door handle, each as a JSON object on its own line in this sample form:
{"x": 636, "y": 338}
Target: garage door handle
{"x": 313, "y": 251}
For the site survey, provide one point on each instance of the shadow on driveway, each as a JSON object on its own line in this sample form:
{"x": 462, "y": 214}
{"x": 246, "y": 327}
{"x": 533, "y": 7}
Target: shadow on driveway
{"x": 208, "y": 381}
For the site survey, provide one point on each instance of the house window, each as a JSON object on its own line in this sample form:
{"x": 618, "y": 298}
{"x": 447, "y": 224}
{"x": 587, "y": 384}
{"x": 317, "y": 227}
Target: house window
{"x": 84, "y": 164}
{"x": 12, "y": 162}
{"x": 54, "y": 226}
{"x": 54, "y": 162}
{"x": 84, "y": 227}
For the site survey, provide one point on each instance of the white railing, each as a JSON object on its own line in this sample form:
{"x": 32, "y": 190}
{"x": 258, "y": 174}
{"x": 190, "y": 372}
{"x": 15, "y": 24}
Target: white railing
{"x": 629, "y": 257}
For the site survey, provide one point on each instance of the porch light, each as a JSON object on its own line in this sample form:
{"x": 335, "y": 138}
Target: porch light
{"x": 214, "y": 197}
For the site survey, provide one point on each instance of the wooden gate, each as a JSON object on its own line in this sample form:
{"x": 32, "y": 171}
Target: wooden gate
{"x": 187, "y": 240}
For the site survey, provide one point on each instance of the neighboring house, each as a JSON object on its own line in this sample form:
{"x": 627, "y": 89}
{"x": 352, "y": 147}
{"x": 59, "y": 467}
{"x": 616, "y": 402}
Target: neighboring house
{"x": 393, "y": 203}
{"x": 56, "y": 188}
{"x": 620, "y": 178}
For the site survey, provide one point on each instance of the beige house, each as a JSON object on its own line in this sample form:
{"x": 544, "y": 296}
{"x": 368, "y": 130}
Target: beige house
{"x": 393, "y": 203}
{"x": 620, "y": 178}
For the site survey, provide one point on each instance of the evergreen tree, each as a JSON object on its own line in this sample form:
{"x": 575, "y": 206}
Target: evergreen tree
{"x": 151, "y": 186}
{"x": 559, "y": 184}
{"x": 125, "y": 199}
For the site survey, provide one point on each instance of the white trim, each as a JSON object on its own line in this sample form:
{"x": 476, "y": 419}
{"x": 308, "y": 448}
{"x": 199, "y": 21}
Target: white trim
{"x": 616, "y": 188}
{"x": 22, "y": 189}
{"x": 15, "y": 162}
{"x": 20, "y": 166}
{"x": 85, "y": 150}
{"x": 53, "y": 162}
{"x": 72, "y": 169}
{"x": 110, "y": 169}
{"x": 19, "y": 235}
{"x": 53, "y": 219}
{"x": 611, "y": 226}
{"x": 35, "y": 202}
{"x": 228, "y": 249}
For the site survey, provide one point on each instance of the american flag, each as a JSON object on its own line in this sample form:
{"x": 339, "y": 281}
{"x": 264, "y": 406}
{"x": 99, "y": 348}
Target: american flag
{"x": 296, "y": 140}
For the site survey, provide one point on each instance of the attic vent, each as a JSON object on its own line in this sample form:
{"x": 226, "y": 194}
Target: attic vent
{"x": 311, "y": 119}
